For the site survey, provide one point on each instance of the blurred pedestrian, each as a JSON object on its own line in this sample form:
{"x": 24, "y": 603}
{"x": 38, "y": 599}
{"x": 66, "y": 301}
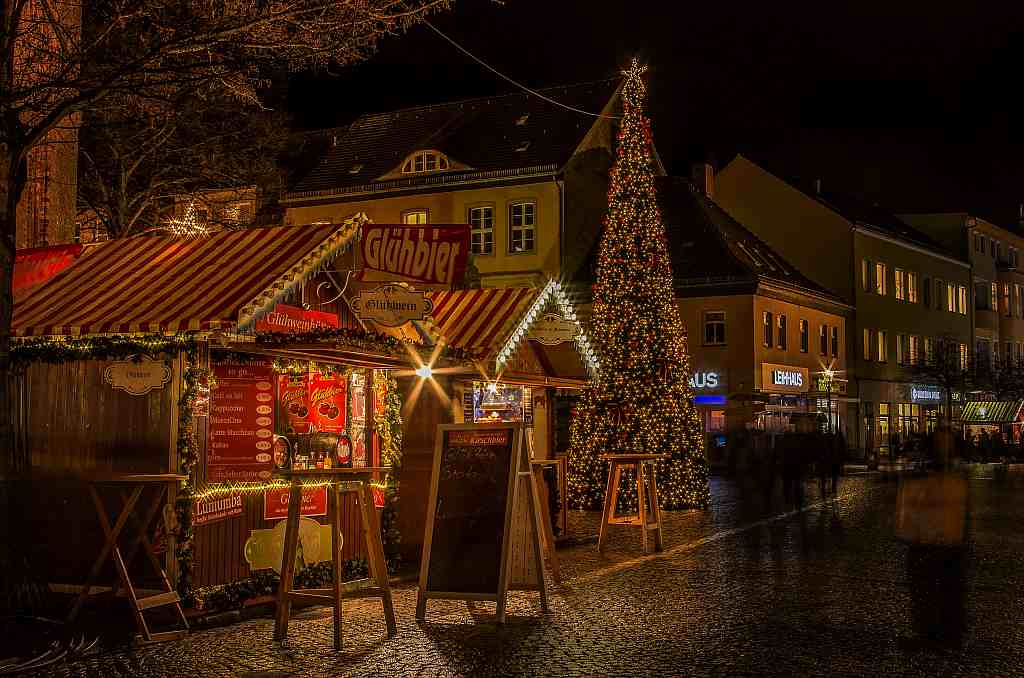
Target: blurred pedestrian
{"x": 838, "y": 456}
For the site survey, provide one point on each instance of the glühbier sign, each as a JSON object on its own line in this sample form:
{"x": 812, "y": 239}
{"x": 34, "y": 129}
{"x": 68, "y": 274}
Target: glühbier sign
{"x": 552, "y": 329}
{"x": 392, "y": 305}
{"x": 424, "y": 254}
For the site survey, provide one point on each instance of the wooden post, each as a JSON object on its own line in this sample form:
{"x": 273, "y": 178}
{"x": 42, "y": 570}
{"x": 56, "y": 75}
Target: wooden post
{"x": 335, "y": 490}
{"x": 291, "y": 538}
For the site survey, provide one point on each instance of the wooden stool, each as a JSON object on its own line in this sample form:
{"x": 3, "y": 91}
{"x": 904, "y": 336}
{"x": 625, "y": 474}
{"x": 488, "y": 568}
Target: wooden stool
{"x": 645, "y": 466}
{"x": 342, "y": 481}
{"x": 133, "y": 485}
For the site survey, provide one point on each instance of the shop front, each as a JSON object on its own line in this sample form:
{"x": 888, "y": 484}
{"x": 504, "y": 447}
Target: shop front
{"x": 710, "y": 389}
{"x": 993, "y": 420}
{"x": 787, "y": 388}
{"x": 197, "y": 357}
{"x": 898, "y": 416}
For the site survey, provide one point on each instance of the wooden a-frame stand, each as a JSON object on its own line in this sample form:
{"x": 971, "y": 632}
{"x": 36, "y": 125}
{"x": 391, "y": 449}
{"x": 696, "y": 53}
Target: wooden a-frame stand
{"x": 521, "y": 484}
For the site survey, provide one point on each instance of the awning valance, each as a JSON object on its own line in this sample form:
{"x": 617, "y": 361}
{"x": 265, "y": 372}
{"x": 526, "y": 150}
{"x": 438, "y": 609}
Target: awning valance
{"x": 146, "y": 284}
{"x": 33, "y": 267}
{"x": 1001, "y": 412}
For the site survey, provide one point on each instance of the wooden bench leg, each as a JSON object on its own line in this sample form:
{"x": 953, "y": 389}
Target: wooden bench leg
{"x": 652, "y": 480}
{"x": 609, "y": 503}
{"x": 291, "y": 540}
{"x": 641, "y": 501}
{"x": 547, "y": 534}
{"x": 375, "y": 554}
{"x": 336, "y": 562}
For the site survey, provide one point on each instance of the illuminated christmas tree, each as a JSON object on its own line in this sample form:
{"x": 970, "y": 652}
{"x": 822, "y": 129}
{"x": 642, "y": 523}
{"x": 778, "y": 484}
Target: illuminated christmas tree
{"x": 642, "y": 401}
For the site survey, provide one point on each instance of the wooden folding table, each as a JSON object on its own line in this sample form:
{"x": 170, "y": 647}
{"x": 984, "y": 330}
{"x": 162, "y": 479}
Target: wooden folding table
{"x": 645, "y": 466}
{"x": 341, "y": 481}
{"x": 131, "y": 488}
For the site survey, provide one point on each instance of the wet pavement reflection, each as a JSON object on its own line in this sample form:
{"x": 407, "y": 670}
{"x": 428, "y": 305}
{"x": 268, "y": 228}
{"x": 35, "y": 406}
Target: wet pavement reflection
{"x": 751, "y": 587}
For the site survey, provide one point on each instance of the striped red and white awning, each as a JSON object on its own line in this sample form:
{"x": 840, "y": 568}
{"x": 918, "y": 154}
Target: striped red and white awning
{"x": 165, "y": 284}
{"x": 479, "y": 320}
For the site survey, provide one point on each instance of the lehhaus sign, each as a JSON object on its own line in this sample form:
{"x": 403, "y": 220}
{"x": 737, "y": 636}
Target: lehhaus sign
{"x": 392, "y": 305}
{"x": 424, "y": 254}
{"x": 784, "y": 378}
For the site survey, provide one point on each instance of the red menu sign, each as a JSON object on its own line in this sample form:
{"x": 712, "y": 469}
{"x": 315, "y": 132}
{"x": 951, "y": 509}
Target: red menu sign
{"x": 292, "y": 319}
{"x": 429, "y": 255}
{"x": 275, "y": 502}
{"x": 241, "y": 422}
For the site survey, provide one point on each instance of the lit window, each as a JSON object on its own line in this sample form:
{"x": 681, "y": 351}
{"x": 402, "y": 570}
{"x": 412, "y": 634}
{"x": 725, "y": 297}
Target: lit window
{"x": 963, "y": 357}
{"x": 1007, "y": 310}
{"x": 414, "y": 217}
{"x": 900, "y": 288}
{"x": 912, "y": 287}
{"x": 425, "y": 161}
{"x": 928, "y": 350}
{"x": 714, "y": 328}
{"x": 867, "y": 344}
{"x": 782, "y": 332}
{"x": 951, "y": 297}
{"x": 1017, "y": 302}
{"x": 835, "y": 342}
{"x": 880, "y": 277}
{"x": 915, "y": 349}
{"x": 521, "y": 225}
{"x": 804, "y": 336}
{"x": 481, "y": 223}
{"x": 961, "y": 300}
{"x": 994, "y": 297}
{"x": 883, "y": 349}
{"x": 823, "y": 339}
{"x": 767, "y": 317}
{"x": 901, "y": 352}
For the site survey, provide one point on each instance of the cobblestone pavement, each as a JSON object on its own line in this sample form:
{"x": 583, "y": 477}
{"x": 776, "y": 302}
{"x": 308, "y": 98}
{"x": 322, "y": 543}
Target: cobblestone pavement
{"x": 741, "y": 590}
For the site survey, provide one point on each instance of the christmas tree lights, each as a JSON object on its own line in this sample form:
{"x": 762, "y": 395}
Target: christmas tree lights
{"x": 642, "y": 401}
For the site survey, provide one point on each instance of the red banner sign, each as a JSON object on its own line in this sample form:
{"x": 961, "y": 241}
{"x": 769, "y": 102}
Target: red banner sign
{"x": 241, "y": 422}
{"x": 291, "y": 319}
{"x": 425, "y": 254}
{"x": 275, "y": 502}
{"x": 215, "y": 509}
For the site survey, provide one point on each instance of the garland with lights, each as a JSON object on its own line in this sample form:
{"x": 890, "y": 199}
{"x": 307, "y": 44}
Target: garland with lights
{"x": 350, "y": 337}
{"x": 642, "y": 402}
{"x": 388, "y": 426}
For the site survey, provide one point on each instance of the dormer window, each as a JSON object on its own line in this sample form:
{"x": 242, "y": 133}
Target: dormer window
{"x": 425, "y": 161}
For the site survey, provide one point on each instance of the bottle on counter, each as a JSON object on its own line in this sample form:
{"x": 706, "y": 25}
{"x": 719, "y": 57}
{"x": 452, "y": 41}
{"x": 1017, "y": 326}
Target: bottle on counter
{"x": 320, "y": 459}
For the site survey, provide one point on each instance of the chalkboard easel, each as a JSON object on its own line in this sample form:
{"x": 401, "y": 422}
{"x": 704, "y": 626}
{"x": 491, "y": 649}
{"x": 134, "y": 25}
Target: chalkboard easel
{"x": 481, "y": 494}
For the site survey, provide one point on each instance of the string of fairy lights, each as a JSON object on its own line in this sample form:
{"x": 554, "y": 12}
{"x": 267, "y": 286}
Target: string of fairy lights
{"x": 643, "y": 401}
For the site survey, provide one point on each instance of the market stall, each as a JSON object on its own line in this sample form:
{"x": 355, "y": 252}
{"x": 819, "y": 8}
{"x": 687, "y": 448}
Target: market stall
{"x": 169, "y": 355}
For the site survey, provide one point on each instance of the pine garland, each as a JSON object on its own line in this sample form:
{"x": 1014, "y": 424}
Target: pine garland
{"x": 389, "y": 429}
{"x": 348, "y": 337}
{"x": 642, "y": 401}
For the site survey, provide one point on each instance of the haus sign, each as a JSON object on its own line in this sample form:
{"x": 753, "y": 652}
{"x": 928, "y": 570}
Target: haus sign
{"x": 552, "y": 329}
{"x": 705, "y": 380}
{"x": 424, "y": 254}
{"x": 784, "y": 378}
{"x": 392, "y": 305}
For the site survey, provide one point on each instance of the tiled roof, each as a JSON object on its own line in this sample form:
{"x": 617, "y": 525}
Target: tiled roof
{"x": 482, "y": 135}
{"x": 709, "y": 247}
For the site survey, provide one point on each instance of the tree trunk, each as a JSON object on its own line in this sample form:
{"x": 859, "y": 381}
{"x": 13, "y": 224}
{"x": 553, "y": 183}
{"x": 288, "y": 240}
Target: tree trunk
{"x": 20, "y": 589}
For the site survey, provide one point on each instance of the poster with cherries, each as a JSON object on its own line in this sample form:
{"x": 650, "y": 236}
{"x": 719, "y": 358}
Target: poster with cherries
{"x": 327, "y": 398}
{"x": 293, "y": 396}
{"x": 241, "y": 422}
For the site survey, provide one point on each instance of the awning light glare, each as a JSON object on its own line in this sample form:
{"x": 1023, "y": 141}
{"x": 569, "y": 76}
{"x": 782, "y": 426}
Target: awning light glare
{"x": 424, "y": 371}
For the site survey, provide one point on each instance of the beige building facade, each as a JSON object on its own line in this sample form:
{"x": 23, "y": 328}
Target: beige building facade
{"x": 907, "y": 291}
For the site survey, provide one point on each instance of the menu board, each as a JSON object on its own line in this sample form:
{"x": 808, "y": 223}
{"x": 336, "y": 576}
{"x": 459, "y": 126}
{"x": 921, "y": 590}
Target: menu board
{"x": 241, "y": 422}
{"x": 469, "y": 497}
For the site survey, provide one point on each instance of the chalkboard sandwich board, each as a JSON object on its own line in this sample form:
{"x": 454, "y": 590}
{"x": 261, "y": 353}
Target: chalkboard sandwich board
{"x": 480, "y": 474}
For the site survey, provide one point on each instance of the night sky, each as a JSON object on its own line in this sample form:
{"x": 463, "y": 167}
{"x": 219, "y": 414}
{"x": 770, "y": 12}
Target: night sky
{"x": 915, "y": 105}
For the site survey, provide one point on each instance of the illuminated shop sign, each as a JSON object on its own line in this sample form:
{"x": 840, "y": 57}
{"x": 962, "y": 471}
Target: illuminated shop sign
{"x": 709, "y": 400}
{"x": 925, "y": 394}
{"x": 784, "y": 378}
{"x": 702, "y": 380}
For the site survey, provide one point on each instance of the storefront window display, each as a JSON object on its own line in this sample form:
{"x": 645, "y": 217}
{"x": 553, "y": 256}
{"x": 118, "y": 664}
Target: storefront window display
{"x": 501, "y": 403}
